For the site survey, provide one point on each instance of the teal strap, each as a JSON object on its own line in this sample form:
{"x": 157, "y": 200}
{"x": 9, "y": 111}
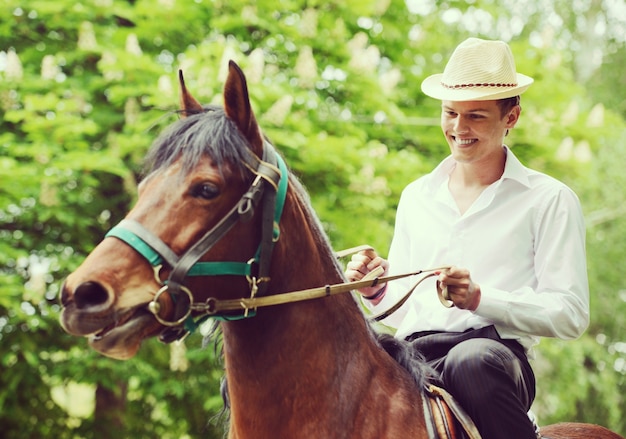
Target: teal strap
{"x": 137, "y": 243}
{"x": 191, "y": 325}
{"x": 281, "y": 195}
{"x": 199, "y": 269}
{"x": 220, "y": 268}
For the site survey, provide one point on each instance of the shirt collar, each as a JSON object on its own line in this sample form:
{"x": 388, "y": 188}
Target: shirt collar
{"x": 513, "y": 170}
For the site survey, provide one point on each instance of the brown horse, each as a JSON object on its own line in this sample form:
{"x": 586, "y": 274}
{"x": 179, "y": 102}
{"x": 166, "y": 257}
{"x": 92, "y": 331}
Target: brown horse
{"x": 217, "y": 207}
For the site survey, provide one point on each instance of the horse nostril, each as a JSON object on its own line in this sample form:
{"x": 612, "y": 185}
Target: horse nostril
{"x": 90, "y": 294}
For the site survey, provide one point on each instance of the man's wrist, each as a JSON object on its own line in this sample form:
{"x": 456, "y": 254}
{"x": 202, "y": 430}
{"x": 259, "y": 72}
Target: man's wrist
{"x": 378, "y": 294}
{"x": 475, "y": 299}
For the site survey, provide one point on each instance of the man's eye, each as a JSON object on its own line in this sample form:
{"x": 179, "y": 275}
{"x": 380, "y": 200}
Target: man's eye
{"x": 207, "y": 191}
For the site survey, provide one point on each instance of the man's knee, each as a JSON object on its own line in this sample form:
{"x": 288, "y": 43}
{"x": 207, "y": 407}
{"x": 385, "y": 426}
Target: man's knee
{"x": 477, "y": 367}
{"x": 493, "y": 385}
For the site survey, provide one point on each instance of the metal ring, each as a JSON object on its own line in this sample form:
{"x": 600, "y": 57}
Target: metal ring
{"x": 154, "y": 306}
{"x": 276, "y": 232}
{"x": 249, "y": 277}
{"x": 210, "y": 306}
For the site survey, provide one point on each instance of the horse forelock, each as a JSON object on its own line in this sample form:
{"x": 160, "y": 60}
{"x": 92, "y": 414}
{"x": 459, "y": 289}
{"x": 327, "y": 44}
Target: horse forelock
{"x": 210, "y": 133}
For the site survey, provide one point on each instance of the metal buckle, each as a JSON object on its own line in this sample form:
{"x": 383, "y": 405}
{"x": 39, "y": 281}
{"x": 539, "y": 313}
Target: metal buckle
{"x": 157, "y": 273}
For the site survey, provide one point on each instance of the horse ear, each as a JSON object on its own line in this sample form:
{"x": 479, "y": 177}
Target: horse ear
{"x": 238, "y": 109}
{"x": 188, "y": 104}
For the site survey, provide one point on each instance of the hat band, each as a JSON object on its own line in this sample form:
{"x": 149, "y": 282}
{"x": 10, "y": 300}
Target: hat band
{"x": 484, "y": 84}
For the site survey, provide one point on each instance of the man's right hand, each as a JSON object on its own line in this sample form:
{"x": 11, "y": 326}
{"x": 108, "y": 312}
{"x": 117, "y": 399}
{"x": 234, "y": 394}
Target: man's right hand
{"x": 360, "y": 265}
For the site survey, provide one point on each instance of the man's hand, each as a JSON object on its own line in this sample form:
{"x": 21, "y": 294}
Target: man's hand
{"x": 461, "y": 289}
{"x": 361, "y": 264}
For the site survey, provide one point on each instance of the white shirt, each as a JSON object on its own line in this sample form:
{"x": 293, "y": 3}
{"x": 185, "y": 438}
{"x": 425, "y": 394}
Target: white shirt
{"x": 522, "y": 240}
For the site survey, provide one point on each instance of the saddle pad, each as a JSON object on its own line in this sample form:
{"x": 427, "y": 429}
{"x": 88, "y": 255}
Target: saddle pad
{"x": 448, "y": 419}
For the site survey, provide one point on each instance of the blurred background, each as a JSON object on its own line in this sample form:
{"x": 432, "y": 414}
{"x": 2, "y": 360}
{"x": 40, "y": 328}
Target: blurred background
{"x": 85, "y": 86}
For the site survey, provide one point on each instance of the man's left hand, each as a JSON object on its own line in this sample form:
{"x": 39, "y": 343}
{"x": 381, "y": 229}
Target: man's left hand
{"x": 462, "y": 291}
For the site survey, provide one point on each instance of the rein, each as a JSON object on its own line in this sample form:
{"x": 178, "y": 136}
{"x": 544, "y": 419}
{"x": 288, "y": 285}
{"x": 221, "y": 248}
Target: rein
{"x": 214, "y": 306}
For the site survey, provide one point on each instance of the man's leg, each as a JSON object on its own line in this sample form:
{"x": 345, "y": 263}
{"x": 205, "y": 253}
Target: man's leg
{"x": 494, "y": 385}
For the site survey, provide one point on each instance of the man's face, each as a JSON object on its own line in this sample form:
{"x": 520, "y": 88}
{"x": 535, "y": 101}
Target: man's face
{"x": 475, "y": 129}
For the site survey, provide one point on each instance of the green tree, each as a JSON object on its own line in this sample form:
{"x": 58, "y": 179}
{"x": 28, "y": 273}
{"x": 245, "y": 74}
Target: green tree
{"x": 86, "y": 86}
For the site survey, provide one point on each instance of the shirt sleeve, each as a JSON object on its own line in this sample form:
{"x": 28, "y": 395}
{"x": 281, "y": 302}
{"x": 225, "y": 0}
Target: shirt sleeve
{"x": 559, "y": 305}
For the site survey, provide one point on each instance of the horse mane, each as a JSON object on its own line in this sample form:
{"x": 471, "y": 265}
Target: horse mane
{"x": 410, "y": 359}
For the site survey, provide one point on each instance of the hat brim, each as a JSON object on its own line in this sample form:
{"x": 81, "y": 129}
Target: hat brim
{"x": 432, "y": 87}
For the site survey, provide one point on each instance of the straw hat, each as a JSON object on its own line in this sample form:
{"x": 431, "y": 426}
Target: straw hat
{"x": 478, "y": 70}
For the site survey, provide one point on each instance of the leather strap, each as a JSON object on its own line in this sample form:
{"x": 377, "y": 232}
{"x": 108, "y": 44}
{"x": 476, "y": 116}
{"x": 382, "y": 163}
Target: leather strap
{"x": 144, "y": 241}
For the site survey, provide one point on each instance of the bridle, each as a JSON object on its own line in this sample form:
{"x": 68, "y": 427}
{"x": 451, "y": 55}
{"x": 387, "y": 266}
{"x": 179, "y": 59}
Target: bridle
{"x": 269, "y": 187}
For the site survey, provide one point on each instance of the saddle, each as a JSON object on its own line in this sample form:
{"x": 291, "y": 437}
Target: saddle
{"x": 445, "y": 418}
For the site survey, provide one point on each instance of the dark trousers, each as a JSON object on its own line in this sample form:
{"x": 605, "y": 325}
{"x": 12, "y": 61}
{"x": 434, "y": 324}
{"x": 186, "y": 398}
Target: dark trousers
{"x": 490, "y": 377}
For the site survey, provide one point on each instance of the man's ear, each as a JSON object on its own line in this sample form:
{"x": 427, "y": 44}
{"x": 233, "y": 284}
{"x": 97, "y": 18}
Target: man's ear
{"x": 513, "y": 116}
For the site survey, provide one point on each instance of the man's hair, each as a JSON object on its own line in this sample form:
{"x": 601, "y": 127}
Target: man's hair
{"x": 506, "y": 104}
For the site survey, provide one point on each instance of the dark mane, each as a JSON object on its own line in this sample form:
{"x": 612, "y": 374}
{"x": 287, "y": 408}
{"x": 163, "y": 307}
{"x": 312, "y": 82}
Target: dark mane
{"x": 209, "y": 133}
{"x": 410, "y": 359}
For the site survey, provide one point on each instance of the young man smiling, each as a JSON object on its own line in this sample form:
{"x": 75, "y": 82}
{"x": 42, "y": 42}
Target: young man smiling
{"x": 514, "y": 238}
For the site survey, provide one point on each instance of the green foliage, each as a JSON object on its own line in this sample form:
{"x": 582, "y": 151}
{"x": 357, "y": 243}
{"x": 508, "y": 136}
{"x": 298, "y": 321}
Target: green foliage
{"x": 560, "y": 365}
{"x": 86, "y": 86}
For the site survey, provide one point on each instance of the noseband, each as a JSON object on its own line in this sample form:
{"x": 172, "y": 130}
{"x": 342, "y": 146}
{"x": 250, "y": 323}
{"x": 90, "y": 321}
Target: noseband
{"x": 270, "y": 188}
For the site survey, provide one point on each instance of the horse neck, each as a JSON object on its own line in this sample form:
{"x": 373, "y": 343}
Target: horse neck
{"x": 310, "y": 343}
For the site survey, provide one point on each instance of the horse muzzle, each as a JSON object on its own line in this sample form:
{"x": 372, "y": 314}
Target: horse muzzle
{"x": 89, "y": 310}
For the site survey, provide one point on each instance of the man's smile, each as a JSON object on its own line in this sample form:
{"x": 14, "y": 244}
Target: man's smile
{"x": 464, "y": 142}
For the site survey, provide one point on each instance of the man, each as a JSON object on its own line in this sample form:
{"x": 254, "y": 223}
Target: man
{"x": 514, "y": 238}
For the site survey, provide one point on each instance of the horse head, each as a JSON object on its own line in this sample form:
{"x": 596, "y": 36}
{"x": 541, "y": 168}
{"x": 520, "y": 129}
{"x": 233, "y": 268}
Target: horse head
{"x": 196, "y": 208}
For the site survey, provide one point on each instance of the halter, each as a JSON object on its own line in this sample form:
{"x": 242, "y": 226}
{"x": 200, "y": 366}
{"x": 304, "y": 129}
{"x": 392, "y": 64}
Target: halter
{"x": 271, "y": 173}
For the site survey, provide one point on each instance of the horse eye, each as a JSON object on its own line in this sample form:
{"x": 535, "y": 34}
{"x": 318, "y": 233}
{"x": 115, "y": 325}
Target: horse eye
{"x": 207, "y": 191}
